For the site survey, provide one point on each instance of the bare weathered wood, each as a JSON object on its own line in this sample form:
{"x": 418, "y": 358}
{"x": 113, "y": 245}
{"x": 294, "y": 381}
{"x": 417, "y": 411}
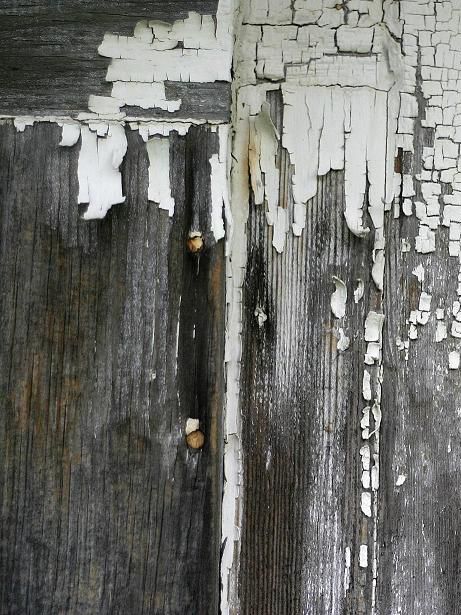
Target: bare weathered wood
{"x": 420, "y": 520}
{"x": 301, "y": 406}
{"x": 111, "y": 339}
{"x": 49, "y": 62}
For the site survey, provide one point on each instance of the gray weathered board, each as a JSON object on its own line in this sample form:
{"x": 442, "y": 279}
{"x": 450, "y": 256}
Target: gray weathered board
{"x": 112, "y": 336}
{"x": 49, "y": 62}
{"x": 301, "y": 409}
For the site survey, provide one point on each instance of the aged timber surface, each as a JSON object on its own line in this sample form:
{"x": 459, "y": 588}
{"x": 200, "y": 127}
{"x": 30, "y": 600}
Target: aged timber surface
{"x": 49, "y": 62}
{"x": 301, "y": 405}
{"x": 420, "y": 535}
{"x": 111, "y": 339}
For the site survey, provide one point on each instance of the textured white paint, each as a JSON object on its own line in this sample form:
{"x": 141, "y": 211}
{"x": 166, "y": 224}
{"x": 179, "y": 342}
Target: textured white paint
{"x": 195, "y": 49}
{"x": 374, "y": 326}
{"x": 70, "y": 134}
{"x": 358, "y": 292}
{"x": 366, "y": 386}
{"x": 261, "y": 316}
{"x": 339, "y": 298}
{"x": 343, "y": 340}
{"x": 453, "y": 359}
{"x": 365, "y": 503}
{"x": 191, "y": 426}
{"x": 100, "y": 181}
{"x": 347, "y": 569}
{"x": 363, "y": 556}
{"x": 159, "y": 191}
{"x": 21, "y": 123}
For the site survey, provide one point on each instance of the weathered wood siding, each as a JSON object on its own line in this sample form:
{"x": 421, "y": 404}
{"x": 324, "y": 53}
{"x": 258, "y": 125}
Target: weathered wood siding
{"x": 301, "y": 407}
{"x": 350, "y": 491}
{"x": 49, "y": 62}
{"x": 112, "y": 337}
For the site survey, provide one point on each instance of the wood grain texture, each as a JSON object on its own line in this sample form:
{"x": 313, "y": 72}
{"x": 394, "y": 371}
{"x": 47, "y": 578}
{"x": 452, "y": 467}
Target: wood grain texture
{"x": 49, "y": 62}
{"x": 111, "y": 338}
{"x": 420, "y": 520}
{"x": 301, "y": 406}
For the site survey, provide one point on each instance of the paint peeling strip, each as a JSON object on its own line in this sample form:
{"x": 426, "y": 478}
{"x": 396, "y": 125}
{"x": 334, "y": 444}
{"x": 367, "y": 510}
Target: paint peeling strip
{"x": 347, "y": 569}
{"x": 365, "y": 503}
{"x": 358, "y": 292}
{"x": 338, "y": 298}
{"x": 453, "y": 360}
{"x": 363, "y": 556}
{"x": 343, "y": 341}
{"x": 159, "y": 191}
{"x": 70, "y": 134}
{"x": 100, "y": 181}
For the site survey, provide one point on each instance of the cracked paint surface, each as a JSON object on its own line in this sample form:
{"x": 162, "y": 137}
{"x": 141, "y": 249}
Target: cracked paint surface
{"x": 353, "y": 78}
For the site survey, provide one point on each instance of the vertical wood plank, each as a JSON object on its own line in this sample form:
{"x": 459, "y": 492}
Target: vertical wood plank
{"x": 301, "y": 407}
{"x": 112, "y": 338}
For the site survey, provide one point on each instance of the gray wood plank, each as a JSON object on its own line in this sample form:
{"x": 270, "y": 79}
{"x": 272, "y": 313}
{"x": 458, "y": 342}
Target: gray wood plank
{"x": 301, "y": 407}
{"x": 111, "y": 338}
{"x": 420, "y": 520}
{"x": 49, "y": 62}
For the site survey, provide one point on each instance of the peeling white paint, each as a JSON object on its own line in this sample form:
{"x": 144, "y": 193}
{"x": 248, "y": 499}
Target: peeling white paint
{"x": 365, "y": 504}
{"x": 261, "y": 316}
{"x": 453, "y": 359}
{"x": 343, "y": 340}
{"x": 363, "y": 556}
{"x": 440, "y": 331}
{"x": 339, "y": 298}
{"x": 219, "y": 196}
{"x": 374, "y": 326}
{"x": 195, "y": 49}
{"x": 358, "y": 292}
{"x": 419, "y": 272}
{"x": 401, "y": 478}
{"x": 347, "y": 568}
{"x": 100, "y": 181}
{"x": 159, "y": 191}
{"x": 425, "y": 302}
{"x": 192, "y": 425}
{"x": 366, "y": 388}
{"x": 70, "y": 134}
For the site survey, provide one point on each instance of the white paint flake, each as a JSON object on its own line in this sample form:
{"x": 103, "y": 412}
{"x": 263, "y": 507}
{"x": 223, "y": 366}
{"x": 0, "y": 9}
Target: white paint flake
{"x": 365, "y": 504}
{"x": 419, "y": 272}
{"x": 425, "y": 302}
{"x": 158, "y": 151}
{"x": 358, "y": 292}
{"x": 70, "y": 134}
{"x": 191, "y": 426}
{"x": 366, "y": 387}
{"x": 261, "y": 316}
{"x": 374, "y": 326}
{"x": 401, "y": 478}
{"x": 219, "y": 182}
{"x": 363, "y": 556}
{"x": 195, "y": 49}
{"x": 100, "y": 181}
{"x": 440, "y": 331}
{"x": 453, "y": 359}
{"x": 347, "y": 568}
{"x": 339, "y": 298}
{"x": 343, "y": 340}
